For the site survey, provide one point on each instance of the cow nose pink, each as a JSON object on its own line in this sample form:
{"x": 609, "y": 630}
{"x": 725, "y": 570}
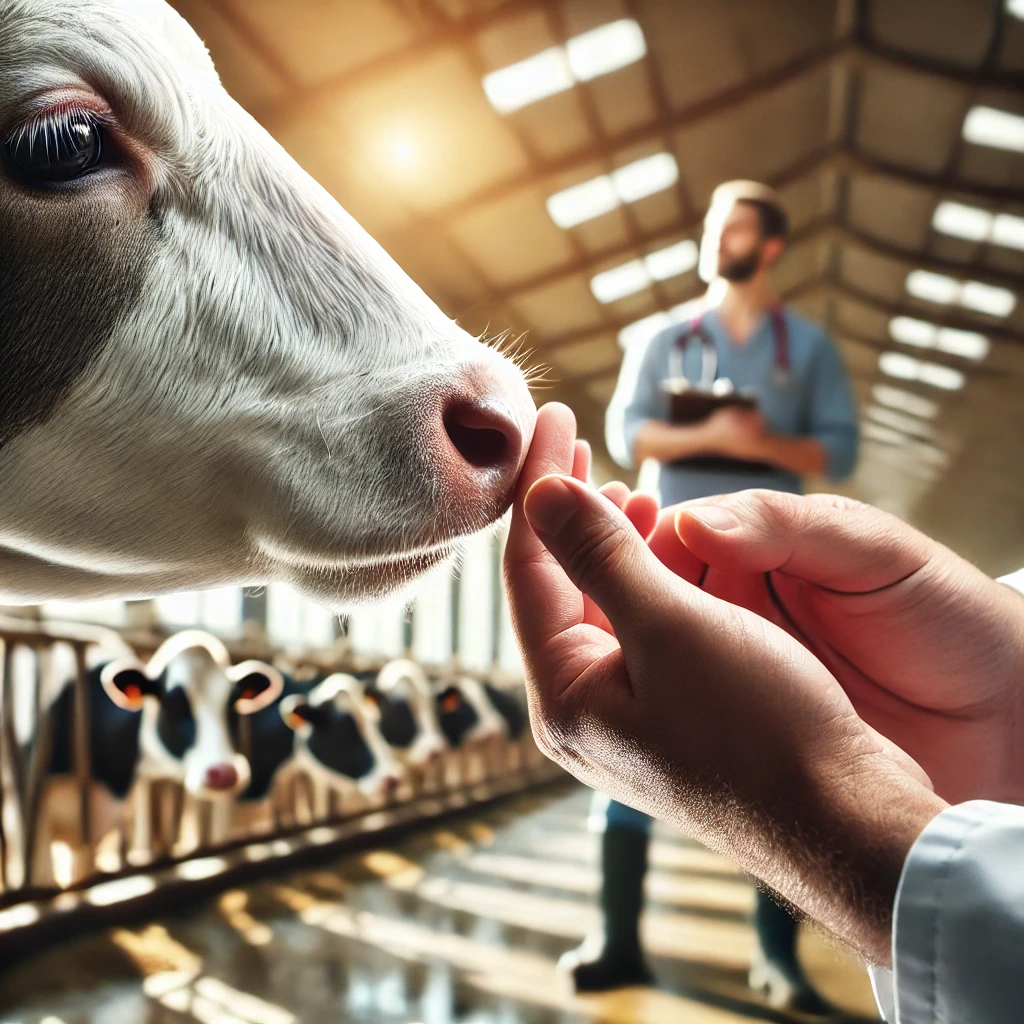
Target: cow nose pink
{"x": 389, "y": 784}
{"x": 221, "y": 776}
{"x": 484, "y": 435}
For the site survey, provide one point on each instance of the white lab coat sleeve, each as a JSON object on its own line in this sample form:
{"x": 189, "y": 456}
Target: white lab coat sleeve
{"x": 958, "y": 923}
{"x": 958, "y": 926}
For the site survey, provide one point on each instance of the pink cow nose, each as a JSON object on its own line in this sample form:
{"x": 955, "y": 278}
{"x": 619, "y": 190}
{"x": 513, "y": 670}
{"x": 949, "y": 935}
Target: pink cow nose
{"x": 221, "y": 777}
{"x": 484, "y": 435}
{"x": 486, "y": 420}
{"x": 389, "y": 784}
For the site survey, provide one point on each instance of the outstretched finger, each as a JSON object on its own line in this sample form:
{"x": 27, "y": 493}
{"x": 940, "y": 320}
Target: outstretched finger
{"x": 547, "y": 609}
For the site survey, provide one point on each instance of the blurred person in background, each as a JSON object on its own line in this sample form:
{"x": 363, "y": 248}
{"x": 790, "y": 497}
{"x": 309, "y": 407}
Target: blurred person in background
{"x": 805, "y": 423}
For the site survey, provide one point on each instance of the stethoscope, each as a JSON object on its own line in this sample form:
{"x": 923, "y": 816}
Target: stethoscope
{"x": 709, "y": 351}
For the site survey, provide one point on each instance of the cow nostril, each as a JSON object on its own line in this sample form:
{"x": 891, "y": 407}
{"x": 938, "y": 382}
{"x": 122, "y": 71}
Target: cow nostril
{"x": 221, "y": 776}
{"x": 481, "y": 434}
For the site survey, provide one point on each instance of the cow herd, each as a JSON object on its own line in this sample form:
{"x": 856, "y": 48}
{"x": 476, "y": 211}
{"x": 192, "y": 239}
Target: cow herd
{"x": 244, "y": 740}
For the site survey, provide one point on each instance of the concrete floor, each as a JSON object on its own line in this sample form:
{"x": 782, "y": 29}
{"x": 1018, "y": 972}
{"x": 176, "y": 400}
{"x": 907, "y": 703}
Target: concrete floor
{"x": 461, "y": 921}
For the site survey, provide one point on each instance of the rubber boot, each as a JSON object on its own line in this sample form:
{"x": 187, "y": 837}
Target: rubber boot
{"x": 613, "y": 958}
{"x": 775, "y": 970}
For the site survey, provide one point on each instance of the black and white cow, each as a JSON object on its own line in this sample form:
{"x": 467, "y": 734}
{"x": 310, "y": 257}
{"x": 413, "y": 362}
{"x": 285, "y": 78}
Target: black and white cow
{"x": 323, "y": 728}
{"x": 167, "y": 719}
{"x": 408, "y": 712}
{"x": 212, "y": 375}
{"x": 467, "y": 714}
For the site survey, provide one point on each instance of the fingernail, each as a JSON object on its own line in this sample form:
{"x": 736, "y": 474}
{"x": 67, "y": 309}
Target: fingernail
{"x": 714, "y": 517}
{"x": 550, "y": 504}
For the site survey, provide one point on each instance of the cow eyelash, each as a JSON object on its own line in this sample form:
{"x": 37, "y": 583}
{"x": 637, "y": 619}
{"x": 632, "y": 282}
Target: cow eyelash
{"x": 58, "y": 146}
{"x": 54, "y": 124}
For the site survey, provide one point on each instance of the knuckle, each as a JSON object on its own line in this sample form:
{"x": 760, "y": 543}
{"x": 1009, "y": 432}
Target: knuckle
{"x": 597, "y": 553}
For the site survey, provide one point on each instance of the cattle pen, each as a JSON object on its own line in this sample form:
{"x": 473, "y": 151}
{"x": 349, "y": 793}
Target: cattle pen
{"x": 170, "y": 845}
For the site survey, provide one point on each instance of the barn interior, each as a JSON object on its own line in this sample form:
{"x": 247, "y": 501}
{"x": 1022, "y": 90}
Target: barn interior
{"x": 542, "y": 169}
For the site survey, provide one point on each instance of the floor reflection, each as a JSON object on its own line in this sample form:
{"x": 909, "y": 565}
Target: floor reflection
{"x": 461, "y": 922}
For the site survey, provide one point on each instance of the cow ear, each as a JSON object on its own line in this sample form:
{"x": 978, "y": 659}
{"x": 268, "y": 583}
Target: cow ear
{"x": 256, "y": 686}
{"x": 449, "y": 700}
{"x": 298, "y": 714}
{"x": 127, "y": 685}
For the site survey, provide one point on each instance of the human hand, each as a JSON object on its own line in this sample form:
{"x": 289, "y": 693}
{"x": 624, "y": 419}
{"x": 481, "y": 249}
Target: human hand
{"x": 699, "y": 711}
{"x": 735, "y": 432}
{"x": 929, "y": 650}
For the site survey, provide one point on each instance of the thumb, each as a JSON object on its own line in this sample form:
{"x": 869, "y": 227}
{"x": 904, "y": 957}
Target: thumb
{"x": 599, "y": 550}
{"x": 830, "y": 541}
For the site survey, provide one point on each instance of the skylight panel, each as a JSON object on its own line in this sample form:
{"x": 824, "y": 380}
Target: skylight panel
{"x": 605, "y": 49}
{"x": 986, "y": 126}
{"x": 1008, "y": 230}
{"x": 600, "y": 195}
{"x": 987, "y": 298}
{"x": 944, "y": 377}
{"x": 900, "y": 421}
{"x": 923, "y": 284}
{"x": 618, "y": 282}
{"x": 966, "y": 344}
{"x": 629, "y": 278}
{"x": 643, "y": 330}
{"x": 672, "y": 260}
{"x": 908, "y": 331}
{"x": 884, "y": 435}
{"x": 646, "y": 176}
{"x": 527, "y": 81}
{"x": 905, "y": 401}
{"x": 686, "y": 311}
{"x": 904, "y": 367}
{"x": 582, "y": 202}
{"x": 584, "y": 57}
{"x": 962, "y": 221}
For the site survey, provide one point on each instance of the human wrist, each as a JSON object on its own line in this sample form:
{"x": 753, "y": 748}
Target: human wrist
{"x": 868, "y": 820}
{"x": 831, "y": 835}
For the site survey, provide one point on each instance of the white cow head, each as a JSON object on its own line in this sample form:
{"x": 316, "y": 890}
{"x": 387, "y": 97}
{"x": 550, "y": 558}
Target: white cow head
{"x": 211, "y": 374}
{"x": 185, "y": 693}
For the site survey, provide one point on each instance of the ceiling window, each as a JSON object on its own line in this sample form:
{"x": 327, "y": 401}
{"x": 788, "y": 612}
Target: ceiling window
{"x": 902, "y": 421}
{"x": 905, "y": 401}
{"x": 978, "y": 225}
{"x": 986, "y": 126}
{"x": 966, "y": 344}
{"x": 882, "y": 434}
{"x": 904, "y": 367}
{"x": 584, "y": 57}
{"x": 600, "y": 195}
{"x": 634, "y": 276}
{"x": 644, "y": 329}
{"x": 948, "y": 291}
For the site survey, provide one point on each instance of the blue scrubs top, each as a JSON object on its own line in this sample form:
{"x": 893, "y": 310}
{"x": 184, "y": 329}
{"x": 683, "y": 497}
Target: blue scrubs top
{"x": 814, "y": 400}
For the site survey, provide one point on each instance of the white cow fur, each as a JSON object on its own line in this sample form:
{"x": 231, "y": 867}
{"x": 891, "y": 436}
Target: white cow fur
{"x": 268, "y": 409}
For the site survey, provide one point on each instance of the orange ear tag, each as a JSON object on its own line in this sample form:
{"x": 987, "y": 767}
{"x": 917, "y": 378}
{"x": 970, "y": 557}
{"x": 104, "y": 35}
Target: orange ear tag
{"x": 451, "y": 703}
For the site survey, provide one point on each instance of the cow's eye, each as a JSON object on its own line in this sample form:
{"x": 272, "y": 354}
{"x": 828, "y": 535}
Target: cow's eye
{"x": 57, "y": 148}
